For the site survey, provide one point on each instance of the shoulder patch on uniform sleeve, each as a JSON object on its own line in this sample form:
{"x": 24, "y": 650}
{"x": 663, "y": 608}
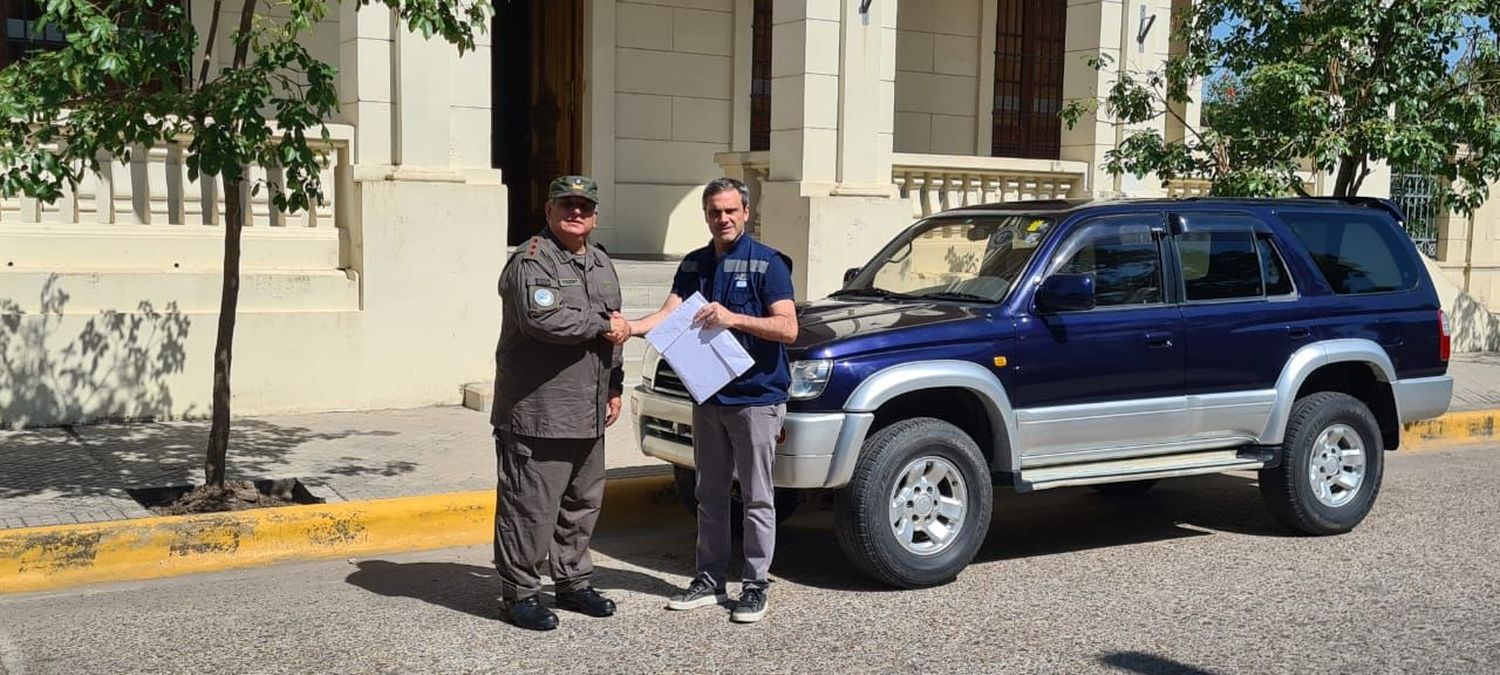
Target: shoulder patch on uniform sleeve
{"x": 688, "y": 265}
{"x": 542, "y": 297}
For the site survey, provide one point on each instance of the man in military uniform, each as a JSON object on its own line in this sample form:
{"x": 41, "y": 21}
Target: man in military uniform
{"x": 557, "y": 386}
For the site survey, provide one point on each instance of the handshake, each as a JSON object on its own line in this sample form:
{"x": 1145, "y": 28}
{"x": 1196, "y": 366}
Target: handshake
{"x": 711, "y": 315}
{"x": 619, "y": 329}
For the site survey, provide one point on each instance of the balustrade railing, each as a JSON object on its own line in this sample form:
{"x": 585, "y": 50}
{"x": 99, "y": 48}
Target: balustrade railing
{"x": 934, "y": 183}
{"x": 137, "y": 203}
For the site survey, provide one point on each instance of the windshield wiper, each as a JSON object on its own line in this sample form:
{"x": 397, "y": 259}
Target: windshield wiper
{"x": 873, "y": 291}
{"x": 956, "y": 295}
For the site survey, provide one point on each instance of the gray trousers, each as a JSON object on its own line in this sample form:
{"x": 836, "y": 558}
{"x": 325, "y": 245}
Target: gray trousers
{"x": 732, "y": 442}
{"x": 548, "y": 500}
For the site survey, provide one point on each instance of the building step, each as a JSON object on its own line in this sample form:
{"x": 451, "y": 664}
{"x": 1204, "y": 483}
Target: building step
{"x": 645, "y": 296}
{"x": 645, "y": 272}
{"x": 480, "y": 395}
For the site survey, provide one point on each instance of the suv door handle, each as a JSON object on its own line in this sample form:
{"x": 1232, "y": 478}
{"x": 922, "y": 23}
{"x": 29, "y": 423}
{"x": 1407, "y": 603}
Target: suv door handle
{"x": 1299, "y": 332}
{"x": 1158, "y": 340}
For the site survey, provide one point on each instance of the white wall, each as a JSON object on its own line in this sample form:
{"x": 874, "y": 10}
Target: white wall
{"x": 937, "y": 76}
{"x": 417, "y": 323}
{"x": 672, "y": 110}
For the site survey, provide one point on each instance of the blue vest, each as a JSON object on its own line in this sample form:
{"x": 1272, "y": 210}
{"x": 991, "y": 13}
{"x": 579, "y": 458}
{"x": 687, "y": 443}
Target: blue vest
{"x": 747, "y": 280}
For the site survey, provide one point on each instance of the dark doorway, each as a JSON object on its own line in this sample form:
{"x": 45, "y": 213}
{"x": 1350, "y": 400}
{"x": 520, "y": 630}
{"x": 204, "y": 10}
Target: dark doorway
{"x": 538, "y": 102}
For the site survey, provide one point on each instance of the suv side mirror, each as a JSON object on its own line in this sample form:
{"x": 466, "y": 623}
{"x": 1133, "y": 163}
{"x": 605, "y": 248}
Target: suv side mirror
{"x": 1065, "y": 293}
{"x": 850, "y": 273}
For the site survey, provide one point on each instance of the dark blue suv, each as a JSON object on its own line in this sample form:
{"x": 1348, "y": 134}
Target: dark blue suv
{"x": 1046, "y": 344}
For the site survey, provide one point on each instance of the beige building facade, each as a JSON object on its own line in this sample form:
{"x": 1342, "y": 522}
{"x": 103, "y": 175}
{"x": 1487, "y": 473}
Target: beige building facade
{"x": 848, "y": 119}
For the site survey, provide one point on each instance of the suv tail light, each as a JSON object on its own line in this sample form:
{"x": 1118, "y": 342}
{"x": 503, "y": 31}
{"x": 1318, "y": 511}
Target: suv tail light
{"x": 1445, "y": 337}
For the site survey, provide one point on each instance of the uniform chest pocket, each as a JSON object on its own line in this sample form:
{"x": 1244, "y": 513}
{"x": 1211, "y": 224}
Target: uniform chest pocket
{"x": 608, "y": 293}
{"x": 741, "y": 300}
{"x": 573, "y": 293}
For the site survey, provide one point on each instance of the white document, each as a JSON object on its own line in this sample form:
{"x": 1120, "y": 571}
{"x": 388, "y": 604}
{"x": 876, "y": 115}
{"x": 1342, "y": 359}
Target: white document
{"x": 705, "y": 358}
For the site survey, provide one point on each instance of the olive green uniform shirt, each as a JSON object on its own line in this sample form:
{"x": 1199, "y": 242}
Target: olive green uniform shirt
{"x": 554, "y": 372}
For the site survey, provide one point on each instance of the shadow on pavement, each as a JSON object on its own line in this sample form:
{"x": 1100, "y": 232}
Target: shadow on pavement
{"x": 472, "y": 589}
{"x": 462, "y": 588}
{"x": 1149, "y": 664}
{"x": 1076, "y": 519}
{"x": 1022, "y": 526}
{"x": 102, "y": 459}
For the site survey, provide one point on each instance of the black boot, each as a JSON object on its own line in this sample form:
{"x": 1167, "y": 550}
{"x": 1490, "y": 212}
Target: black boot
{"x": 528, "y": 613}
{"x": 586, "y": 601}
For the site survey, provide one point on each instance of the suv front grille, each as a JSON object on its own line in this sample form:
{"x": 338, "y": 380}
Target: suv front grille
{"x": 667, "y": 429}
{"x": 667, "y": 382}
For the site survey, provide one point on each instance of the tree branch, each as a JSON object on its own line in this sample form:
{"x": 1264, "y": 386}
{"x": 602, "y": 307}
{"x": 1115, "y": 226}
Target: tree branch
{"x": 208, "y": 47}
{"x": 242, "y": 39}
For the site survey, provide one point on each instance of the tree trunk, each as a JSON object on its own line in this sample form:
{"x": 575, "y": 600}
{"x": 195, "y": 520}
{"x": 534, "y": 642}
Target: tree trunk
{"x": 1344, "y": 177}
{"x": 229, "y": 300}
{"x": 218, "y": 435}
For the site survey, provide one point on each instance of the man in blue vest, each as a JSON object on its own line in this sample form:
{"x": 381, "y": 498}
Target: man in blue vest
{"x": 749, "y": 289}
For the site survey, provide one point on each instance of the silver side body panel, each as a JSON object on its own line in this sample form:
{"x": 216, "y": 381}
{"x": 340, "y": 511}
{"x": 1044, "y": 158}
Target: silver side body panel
{"x": 921, "y": 375}
{"x": 1310, "y": 358}
{"x": 1423, "y": 398}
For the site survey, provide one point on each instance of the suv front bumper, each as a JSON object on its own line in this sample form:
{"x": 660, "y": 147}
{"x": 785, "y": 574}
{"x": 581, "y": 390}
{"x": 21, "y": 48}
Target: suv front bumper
{"x": 816, "y": 450}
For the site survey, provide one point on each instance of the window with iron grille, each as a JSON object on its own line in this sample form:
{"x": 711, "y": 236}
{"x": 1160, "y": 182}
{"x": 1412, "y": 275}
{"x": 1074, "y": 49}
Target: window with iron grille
{"x": 760, "y": 77}
{"x": 1028, "y": 78}
{"x": 1416, "y": 194}
{"x": 22, "y": 34}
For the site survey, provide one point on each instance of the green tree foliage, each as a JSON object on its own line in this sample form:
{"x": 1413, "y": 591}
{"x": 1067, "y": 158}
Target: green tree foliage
{"x": 125, "y": 80}
{"x": 1326, "y": 85}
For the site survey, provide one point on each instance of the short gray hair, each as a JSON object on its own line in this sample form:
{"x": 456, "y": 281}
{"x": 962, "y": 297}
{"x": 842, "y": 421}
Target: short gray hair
{"x": 718, "y": 185}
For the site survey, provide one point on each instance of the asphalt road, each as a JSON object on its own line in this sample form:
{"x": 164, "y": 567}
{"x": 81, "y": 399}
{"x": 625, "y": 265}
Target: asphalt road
{"x": 1193, "y": 577}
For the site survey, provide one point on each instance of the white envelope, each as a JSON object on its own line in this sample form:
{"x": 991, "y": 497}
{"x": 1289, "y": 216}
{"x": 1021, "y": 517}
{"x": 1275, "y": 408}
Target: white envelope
{"x": 705, "y": 359}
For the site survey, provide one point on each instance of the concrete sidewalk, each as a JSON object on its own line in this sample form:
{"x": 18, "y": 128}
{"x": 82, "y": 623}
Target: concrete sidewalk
{"x": 80, "y": 474}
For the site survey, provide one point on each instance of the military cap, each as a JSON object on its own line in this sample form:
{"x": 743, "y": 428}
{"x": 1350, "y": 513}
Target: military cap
{"x": 573, "y": 186}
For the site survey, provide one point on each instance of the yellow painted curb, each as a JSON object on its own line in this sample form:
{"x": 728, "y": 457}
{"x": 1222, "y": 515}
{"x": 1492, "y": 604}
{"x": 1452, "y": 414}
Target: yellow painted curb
{"x": 49, "y": 558}
{"x": 1452, "y": 429}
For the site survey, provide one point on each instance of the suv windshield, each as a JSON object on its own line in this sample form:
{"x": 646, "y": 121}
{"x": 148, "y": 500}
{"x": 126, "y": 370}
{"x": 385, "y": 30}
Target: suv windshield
{"x": 953, "y": 258}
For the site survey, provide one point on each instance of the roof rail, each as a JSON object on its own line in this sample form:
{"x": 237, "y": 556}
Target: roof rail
{"x": 1378, "y": 202}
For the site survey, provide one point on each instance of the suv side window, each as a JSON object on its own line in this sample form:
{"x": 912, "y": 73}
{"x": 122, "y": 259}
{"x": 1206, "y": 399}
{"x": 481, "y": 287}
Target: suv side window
{"x": 1278, "y": 281}
{"x": 1220, "y": 262}
{"x": 1124, "y": 256}
{"x": 1226, "y": 257}
{"x": 1356, "y": 252}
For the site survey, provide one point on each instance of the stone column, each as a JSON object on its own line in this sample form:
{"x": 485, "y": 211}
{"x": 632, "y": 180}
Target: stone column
{"x": 1113, "y": 28}
{"x": 829, "y": 202}
{"x": 366, "y": 44}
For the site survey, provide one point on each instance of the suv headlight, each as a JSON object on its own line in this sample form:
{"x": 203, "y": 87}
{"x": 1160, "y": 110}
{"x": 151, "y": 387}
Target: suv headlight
{"x": 649, "y": 363}
{"x": 809, "y": 378}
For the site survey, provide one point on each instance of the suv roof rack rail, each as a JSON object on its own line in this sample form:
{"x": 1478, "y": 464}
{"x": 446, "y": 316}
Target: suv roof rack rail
{"x": 1376, "y": 202}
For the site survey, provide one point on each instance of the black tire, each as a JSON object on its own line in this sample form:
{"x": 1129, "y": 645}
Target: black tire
{"x": 1133, "y": 488}
{"x": 863, "y": 516}
{"x": 1288, "y": 488}
{"x": 686, "y": 481}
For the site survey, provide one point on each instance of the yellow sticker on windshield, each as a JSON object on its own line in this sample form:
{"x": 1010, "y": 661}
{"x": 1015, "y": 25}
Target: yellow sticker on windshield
{"x": 1035, "y": 225}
